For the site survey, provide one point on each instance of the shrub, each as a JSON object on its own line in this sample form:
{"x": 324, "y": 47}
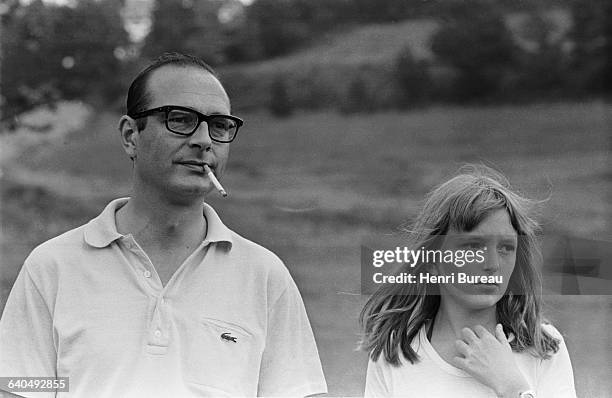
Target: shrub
{"x": 414, "y": 83}
{"x": 280, "y": 104}
{"x": 356, "y": 98}
{"x": 476, "y": 42}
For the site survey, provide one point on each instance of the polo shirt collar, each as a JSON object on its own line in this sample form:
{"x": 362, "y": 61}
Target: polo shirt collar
{"x": 102, "y": 230}
{"x": 217, "y": 231}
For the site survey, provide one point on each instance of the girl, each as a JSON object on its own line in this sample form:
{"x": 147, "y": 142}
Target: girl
{"x": 481, "y": 338}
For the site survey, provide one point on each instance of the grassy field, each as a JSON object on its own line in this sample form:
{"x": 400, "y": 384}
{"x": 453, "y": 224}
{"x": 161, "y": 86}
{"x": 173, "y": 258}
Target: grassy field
{"x": 315, "y": 186}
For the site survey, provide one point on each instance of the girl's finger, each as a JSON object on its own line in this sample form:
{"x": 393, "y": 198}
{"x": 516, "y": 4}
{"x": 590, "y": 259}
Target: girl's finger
{"x": 462, "y": 347}
{"x": 500, "y": 335}
{"x": 468, "y": 335}
{"x": 460, "y": 363}
{"x": 480, "y": 331}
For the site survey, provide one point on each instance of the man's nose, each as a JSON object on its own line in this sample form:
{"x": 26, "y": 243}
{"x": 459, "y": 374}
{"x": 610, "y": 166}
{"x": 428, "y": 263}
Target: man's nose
{"x": 200, "y": 138}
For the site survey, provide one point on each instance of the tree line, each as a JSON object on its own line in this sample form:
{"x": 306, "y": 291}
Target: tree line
{"x": 82, "y": 50}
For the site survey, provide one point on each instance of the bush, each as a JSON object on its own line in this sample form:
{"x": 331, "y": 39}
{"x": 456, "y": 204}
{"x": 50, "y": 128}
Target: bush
{"x": 476, "y": 42}
{"x": 280, "y": 103}
{"x": 414, "y": 83}
{"x": 356, "y": 98}
{"x": 48, "y": 55}
{"x": 185, "y": 26}
{"x": 542, "y": 67}
{"x": 592, "y": 38}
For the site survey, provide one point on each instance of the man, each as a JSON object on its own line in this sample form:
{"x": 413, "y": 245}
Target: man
{"x": 155, "y": 296}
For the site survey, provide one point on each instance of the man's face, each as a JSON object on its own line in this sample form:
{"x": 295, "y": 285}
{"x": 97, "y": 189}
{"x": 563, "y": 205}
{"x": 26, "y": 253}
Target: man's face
{"x": 170, "y": 164}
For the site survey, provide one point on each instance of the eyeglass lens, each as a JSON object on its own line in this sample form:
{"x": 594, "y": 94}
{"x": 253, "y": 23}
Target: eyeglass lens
{"x": 220, "y": 127}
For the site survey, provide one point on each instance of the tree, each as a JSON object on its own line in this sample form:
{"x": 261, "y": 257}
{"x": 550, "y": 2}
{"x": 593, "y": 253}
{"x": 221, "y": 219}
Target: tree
{"x": 186, "y": 26}
{"x": 413, "y": 80}
{"x": 475, "y": 41}
{"x": 543, "y": 66}
{"x": 280, "y": 25}
{"x": 280, "y": 103}
{"x": 592, "y": 39}
{"x": 87, "y": 56}
{"x": 356, "y": 99}
{"x": 48, "y": 55}
{"x": 242, "y": 43}
{"x": 387, "y": 10}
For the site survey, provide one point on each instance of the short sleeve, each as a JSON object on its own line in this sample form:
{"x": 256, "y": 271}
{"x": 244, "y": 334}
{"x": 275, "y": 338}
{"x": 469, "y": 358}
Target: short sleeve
{"x": 556, "y": 377}
{"x": 376, "y": 386}
{"x": 290, "y": 363}
{"x": 26, "y": 333}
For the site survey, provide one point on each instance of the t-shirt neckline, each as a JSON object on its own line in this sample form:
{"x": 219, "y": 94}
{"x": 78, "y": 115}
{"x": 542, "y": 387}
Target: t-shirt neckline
{"x": 435, "y": 357}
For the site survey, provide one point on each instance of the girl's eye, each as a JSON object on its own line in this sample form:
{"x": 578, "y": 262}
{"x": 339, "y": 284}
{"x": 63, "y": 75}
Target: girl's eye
{"x": 473, "y": 245}
{"x": 507, "y": 248}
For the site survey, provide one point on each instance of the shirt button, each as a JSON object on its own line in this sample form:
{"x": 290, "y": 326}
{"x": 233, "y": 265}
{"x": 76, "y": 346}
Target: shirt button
{"x": 147, "y": 274}
{"x": 158, "y": 333}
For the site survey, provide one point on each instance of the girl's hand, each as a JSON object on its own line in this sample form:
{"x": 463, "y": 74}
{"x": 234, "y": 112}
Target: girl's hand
{"x": 489, "y": 359}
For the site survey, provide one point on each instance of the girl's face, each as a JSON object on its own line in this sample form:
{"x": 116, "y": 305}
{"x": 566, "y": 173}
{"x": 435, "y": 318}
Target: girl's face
{"x": 494, "y": 242}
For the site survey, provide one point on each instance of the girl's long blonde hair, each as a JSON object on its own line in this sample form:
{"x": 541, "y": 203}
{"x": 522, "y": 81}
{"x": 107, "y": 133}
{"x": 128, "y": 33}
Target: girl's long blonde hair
{"x": 394, "y": 314}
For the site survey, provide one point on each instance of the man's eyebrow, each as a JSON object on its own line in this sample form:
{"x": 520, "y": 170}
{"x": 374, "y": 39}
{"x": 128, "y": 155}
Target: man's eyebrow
{"x": 203, "y": 113}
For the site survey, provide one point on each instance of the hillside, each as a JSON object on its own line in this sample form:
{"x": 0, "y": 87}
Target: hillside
{"x": 325, "y": 69}
{"x": 370, "y": 44}
{"x": 321, "y": 74}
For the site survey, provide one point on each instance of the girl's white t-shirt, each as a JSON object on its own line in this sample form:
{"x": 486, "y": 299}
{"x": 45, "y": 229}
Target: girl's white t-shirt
{"x": 433, "y": 377}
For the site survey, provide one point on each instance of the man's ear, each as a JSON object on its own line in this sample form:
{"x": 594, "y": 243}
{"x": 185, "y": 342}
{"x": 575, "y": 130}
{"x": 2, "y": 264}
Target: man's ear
{"x": 129, "y": 135}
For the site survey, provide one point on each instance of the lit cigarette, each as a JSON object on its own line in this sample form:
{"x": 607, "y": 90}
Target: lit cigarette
{"x": 214, "y": 180}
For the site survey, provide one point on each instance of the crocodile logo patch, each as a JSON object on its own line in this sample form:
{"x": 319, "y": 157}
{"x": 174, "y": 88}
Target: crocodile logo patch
{"x": 228, "y": 337}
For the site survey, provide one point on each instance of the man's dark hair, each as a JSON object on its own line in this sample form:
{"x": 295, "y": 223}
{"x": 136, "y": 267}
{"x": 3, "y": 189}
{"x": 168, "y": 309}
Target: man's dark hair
{"x": 138, "y": 98}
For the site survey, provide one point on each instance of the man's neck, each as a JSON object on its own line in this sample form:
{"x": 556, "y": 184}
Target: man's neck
{"x": 154, "y": 221}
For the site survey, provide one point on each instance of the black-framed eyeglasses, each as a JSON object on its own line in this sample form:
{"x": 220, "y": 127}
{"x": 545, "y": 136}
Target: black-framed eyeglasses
{"x": 185, "y": 121}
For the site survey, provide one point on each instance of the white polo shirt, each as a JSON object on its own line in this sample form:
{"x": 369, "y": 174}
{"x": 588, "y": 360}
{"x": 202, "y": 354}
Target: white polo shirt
{"x": 89, "y": 305}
